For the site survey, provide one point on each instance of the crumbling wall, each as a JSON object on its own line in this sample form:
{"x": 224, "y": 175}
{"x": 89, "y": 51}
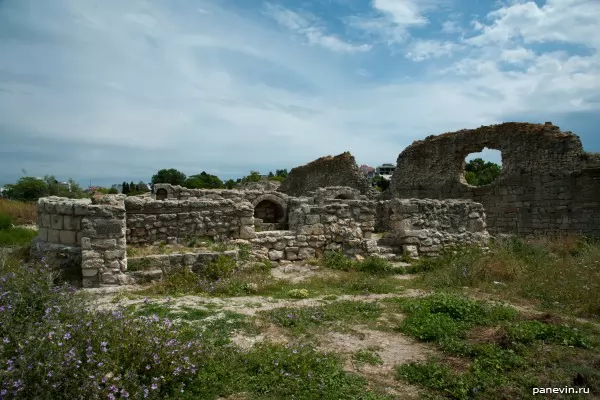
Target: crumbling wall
{"x": 548, "y": 183}
{"x": 151, "y": 221}
{"x": 426, "y": 227}
{"x": 336, "y": 192}
{"x": 315, "y": 228}
{"x": 340, "y": 170}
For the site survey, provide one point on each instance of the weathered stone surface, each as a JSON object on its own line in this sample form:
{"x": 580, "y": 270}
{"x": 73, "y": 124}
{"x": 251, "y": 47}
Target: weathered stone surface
{"x": 547, "y": 180}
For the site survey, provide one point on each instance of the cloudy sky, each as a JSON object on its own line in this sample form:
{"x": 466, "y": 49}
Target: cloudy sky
{"x": 113, "y": 90}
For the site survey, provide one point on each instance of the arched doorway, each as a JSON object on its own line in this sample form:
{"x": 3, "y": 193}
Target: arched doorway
{"x": 269, "y": 212}
{"x": 161, "y": 194}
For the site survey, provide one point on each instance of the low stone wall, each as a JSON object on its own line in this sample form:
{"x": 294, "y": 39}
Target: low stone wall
{"x": 157, "y": 267}
{"x": 150, "y": 221}
{"x": 426, "y": 227}
{"x": 59, "y": 220}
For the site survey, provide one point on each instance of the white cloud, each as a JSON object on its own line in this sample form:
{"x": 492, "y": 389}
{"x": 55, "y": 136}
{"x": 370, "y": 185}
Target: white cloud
{"x": 420, "y": 50}
{"x": 394, "y": 18}
{"x": 307, "y": 27}
{"x": 568, "y": 21}
{"x": 517, "y": 55}
{"x": 222, "y": 91}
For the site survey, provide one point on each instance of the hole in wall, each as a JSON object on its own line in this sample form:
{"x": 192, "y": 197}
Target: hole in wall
{"x": 161, "y": 194}
{"x": 344, "y": 196}
{"x": 482, "y": 168}
{"x": 269, "y": 211}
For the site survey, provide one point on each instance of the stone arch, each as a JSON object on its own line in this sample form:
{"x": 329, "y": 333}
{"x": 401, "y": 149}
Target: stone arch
{"x": 162, "y": 194}
{"x": 270, "y": 208}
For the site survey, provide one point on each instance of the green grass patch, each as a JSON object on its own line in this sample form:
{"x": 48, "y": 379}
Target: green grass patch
{"x": 303, "y": 319}
{"x": 17, "y": 236}
{"x": 372, "y": 265}
{"x": 561, "y": 274}
{"x": 366, "y": 356}
{"x": 502, "y": 353}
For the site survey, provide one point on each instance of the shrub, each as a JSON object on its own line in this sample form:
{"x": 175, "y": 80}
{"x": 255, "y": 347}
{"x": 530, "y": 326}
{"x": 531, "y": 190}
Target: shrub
{"x": 222, "y": 267}
{"x": 337, "y": 260}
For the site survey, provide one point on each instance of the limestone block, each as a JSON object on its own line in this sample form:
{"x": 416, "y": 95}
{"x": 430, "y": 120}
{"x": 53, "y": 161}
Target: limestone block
{"x": 72, "y": 223}
{"x": 68, "y": 237}
{"x": 108, "y": 278}
{"x": 89, "y": 272}
{"x": 46, "y": 221}
{"x": 43, "y": 234}
{"x": 64, "y": 208}
{"x": 275, "y": 255}
{"x": 104, "y": 244}
{"x": 86, "y": 242}
{"x": 114, "y": 254}
{"x": 53, "y": 236}
{"x": 306, "y": 252}
{"x": 56, "y": 221}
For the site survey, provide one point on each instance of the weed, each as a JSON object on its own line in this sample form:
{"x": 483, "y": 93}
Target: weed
{"x": 6, "y": 222}
{"x": 222, "y": 267}
{"x": 366, "y": 356}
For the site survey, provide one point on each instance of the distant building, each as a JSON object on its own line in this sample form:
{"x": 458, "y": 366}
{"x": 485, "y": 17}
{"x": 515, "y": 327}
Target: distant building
{"x": 385, "y": 169}
{"x": 367, "y": 171}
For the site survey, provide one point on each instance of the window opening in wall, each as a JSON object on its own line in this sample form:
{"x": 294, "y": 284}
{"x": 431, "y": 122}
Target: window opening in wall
{"x": 269, "y": 212}
{"x": 483, "y": 168}
{"x": 161, "y": 194}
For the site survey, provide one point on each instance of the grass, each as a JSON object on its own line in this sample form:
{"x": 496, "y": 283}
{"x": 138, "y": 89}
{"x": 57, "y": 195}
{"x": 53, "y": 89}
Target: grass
{"x": 16, "y": 236}
{"x": 189, "y": 246}
{"x": 556, "y": 274}
{"x": 503, "y": 354}
{"x": 371, "y": 265}
{"x": 23, "y": 213}
{"x": 55, "y": 346}
{"x": 338, "y": 313}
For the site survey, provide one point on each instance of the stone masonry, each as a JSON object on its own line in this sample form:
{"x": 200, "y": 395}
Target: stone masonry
{"x": 340, "y": 170}
{"x": 548, "y": 183}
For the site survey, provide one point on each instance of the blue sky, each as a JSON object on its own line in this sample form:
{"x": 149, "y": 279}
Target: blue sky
{"x": 114, "y": 90}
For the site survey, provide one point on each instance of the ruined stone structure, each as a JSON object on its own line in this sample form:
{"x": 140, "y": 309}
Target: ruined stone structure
{"x": 340, "y": 170}
{"x": 93, "y": 235}
{"x": 548, "y": 183}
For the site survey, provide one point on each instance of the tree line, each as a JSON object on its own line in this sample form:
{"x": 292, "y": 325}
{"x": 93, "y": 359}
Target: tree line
{"x": 208, "y": 181}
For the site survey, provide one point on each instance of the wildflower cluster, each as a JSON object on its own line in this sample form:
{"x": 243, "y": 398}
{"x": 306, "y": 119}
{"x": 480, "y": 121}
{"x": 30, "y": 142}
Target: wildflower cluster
{"x": 51, "y": 345}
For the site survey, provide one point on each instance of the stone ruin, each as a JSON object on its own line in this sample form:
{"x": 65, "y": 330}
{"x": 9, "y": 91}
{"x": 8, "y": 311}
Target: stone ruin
{"x": 548, "y": 185}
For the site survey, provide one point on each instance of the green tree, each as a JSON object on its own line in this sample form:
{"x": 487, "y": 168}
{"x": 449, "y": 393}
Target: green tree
{"x": 203, "y": 181}
{"x": 480, "y": 173}
{"x": 171, "y": 176}
{"x": 112, "y": 190}
{"x": 230, "y": 184}
{"x": 253, "y": 177}
{"x": 124, "y": 188}
{"x": 142, "y": 187}
{"x": 133, "y": 187}
{"x": 380, "y": 182}
{"x": 27, "y": 188}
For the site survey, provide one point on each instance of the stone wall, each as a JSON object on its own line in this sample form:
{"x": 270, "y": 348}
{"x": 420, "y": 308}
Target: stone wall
{"x": 103, "y": 243}
{"x": 150, "y": 221}
{"x": 83, "y": 239}
{"x": 548, "y": 183}
{"x": 340, "y": 170}
{"x": 336, "y": 192}
{"x": 426, "y": 227}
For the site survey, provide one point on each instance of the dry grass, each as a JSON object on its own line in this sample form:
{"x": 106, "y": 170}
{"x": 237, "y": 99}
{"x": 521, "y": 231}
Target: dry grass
{"x": 21, "y": 212}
